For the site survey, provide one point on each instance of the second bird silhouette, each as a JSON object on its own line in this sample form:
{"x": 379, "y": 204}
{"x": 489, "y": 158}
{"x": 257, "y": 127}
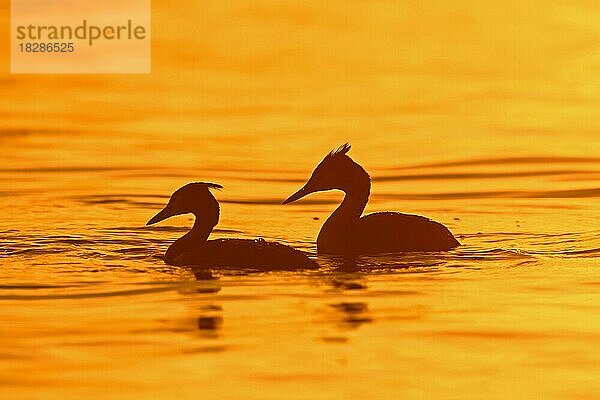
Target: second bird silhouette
{"x": 347, "y": 233}
{"x": 193, "y": 248}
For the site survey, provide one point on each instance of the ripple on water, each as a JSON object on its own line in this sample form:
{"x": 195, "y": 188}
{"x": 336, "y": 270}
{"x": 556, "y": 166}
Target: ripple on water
{"x": 135, "y": 244}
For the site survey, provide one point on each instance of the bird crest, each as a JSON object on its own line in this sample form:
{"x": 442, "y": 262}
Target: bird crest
{"x": 194, "y": 187}
{"x": 343, "y": 149}
{"x": 211, "y": 185}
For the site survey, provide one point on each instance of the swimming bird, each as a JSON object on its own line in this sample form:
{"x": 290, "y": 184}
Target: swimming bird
{"x": 347, "y": 233}
{"x": 194, "y": 249}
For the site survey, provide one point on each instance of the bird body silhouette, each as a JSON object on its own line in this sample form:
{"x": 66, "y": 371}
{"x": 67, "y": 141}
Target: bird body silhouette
{"x": 346, "y": 232}
{"x": 194, "y": 248}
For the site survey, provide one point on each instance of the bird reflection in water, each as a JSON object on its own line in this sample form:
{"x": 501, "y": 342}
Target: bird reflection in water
{"x": 209, "y": 325}
{"x": 209, "y": 322}
{"x": 353, "y": 314}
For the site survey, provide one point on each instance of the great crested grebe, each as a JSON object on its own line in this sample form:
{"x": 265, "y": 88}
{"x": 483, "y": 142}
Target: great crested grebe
{"x": 194, "y": 249}
{"x": 346, "y": 232}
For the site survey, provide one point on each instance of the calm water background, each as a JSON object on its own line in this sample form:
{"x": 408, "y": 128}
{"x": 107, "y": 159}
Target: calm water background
{"x": 481, "y": 115}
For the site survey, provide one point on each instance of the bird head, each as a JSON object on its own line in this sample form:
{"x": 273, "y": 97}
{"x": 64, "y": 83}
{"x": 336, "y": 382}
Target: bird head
{"x": 194, "y": 198}
{"x": 335, "y": 171}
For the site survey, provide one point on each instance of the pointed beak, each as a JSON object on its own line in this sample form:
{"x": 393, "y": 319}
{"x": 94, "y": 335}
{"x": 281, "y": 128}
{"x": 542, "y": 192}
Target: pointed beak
{"x": 299, "y": 194}
{"x": 162, "y": 215}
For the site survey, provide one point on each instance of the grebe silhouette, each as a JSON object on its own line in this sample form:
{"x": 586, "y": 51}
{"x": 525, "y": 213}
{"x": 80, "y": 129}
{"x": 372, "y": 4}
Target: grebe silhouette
{"x": 194, "y": 249}
{"x": 346, "y": 232}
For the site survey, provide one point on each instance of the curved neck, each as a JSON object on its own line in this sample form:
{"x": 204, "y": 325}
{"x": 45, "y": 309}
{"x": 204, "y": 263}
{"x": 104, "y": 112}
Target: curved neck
{"x": 356, "y": 184}
{"x": 352, "y": 206}
{"x": 197, "y": 235}
{"x": 337, "y": 232}
{"x": 200, "y": 231}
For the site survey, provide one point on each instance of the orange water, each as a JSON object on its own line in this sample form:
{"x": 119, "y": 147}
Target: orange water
{"x": 481, "y": 115}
